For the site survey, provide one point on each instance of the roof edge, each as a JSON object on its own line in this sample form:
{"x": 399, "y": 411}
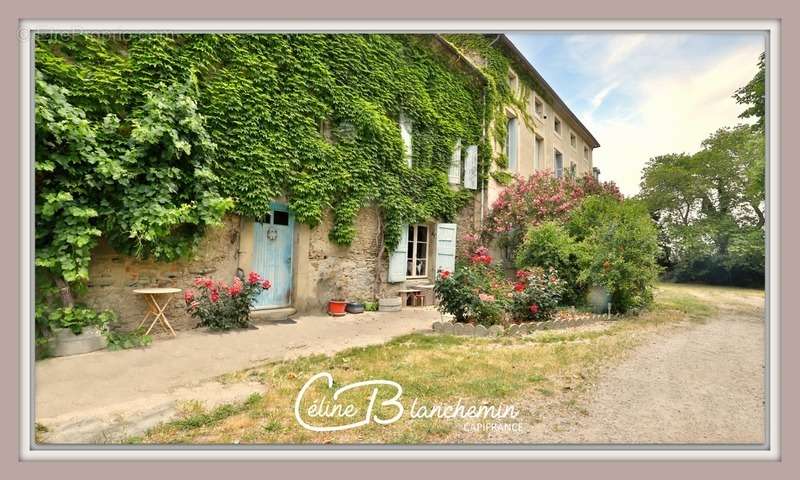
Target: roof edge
{"x": 507, "y": 43}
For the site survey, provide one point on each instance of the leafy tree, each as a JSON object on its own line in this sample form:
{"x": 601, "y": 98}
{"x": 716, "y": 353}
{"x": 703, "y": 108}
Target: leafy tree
{"x": 709, "y": 201}
{"x": 753, "y": 94}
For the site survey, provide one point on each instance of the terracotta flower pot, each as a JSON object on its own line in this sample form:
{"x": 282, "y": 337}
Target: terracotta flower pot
{"x": 337, "y": 307}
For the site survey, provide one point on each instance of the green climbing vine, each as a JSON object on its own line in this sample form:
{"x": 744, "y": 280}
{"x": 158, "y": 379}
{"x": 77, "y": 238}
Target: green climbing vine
{"x": 149, "y": 139}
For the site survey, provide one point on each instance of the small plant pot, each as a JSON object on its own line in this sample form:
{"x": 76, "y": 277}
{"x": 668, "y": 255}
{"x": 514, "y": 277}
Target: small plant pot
{"x": 389, "y": 304}
{"x": 337, "y": 308}
{"x": 355, "y": 307}
{"x": 66, "y": 343}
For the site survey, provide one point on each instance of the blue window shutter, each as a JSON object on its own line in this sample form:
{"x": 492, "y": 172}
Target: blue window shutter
{"x": 398, "y": 260}
{"x": 471, "y": 168}
{"x": 445, "y": 247}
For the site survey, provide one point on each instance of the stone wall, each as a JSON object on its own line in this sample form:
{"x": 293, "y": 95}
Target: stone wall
{"x": 114, "y": 276}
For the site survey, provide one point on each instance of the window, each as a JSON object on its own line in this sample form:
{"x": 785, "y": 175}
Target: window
{"x": 573, "y": 170}
{"x": 406, "y": 127}
{"x": 558, "y": 162}
{"x": 557, "y": 125}
{"x": 585, "y": 153}
{"x": 417, "y": 251}
{"x": 513, "y": 82}
{"x": 538, "y": 108}
{"x": 511, "y": 144}
{"x": 573, "y": 140}
{"x": 538, "y": 153}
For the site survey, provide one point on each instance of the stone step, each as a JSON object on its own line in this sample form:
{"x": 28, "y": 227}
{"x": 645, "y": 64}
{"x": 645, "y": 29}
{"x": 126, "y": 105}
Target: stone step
{"x": 272, "y": 315}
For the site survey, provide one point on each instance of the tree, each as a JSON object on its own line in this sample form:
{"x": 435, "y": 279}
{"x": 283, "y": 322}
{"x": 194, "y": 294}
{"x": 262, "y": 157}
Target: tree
{"x": 753, "y": 94}
{"x": 709, "y": 202}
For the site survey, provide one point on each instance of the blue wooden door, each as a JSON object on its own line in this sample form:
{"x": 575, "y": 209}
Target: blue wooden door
{"x": 274, "y": 239}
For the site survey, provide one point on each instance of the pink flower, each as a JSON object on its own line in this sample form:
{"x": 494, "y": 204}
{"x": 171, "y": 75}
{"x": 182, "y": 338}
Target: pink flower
{"x": 194, "y": 305}
{"x": 266, "y": 284}
{"x": 534, "y": 309}
{"x": 444, "y": 274}
{"x": 236, "y": 288}
{"x": 519, "y": 286}
{"x": 188, "y": 296}
{"x": 253, "y": 278}
{"x": 214, "y": 296}
{"x": 486, "y": 297}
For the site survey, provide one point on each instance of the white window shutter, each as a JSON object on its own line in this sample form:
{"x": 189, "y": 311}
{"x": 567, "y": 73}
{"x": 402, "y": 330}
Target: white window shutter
{"x": 398, "y": 260}
{"x": 454, "y": 175}
{"x": 511, "y": 144}
{"x": 471, "y": 168}
{"x": 445, "y": 247}
{"x": 406, "y": 127}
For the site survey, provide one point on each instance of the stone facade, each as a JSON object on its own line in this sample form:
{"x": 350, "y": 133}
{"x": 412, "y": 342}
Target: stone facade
{"x": 114, "y": 276}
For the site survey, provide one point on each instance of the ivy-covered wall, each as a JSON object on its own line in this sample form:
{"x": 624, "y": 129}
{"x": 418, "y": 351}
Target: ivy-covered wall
{"x": 309, "y": 117}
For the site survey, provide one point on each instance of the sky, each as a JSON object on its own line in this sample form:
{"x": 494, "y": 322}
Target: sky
{"x": 645, "y": 94}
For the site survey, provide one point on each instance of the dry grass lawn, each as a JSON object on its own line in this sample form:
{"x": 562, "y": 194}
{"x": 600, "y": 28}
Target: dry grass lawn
{"x": 438, "y": 369}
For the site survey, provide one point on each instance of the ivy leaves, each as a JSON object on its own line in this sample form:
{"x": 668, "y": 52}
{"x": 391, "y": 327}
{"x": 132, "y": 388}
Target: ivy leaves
{"x": 146, "y": 183}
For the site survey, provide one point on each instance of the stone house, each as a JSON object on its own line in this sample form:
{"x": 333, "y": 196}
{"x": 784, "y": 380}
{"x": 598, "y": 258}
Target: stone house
{"x": 307, "y": 269}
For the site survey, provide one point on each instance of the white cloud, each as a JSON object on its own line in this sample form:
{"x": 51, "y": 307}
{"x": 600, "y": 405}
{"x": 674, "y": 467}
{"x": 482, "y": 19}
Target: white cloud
{"x": 674, "y": 114}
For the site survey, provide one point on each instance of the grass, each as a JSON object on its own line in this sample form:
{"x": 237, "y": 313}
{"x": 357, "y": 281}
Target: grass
{"x": 437, "y": 369}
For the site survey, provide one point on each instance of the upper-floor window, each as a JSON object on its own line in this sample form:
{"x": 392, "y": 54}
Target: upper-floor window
{"x": 558, "y": 163}
{"x": 557, "y": 125}
{"x": 538, "y": 153}
{"x": 573, "y": 140}
{"x": 513, "y": 82}
{"x": 538, "y": 107}
{"x": 512, "y": 143}
{"x": 573, "y": 170}
{"x": 586, "y": 153}
{"x": 406, "y": 128}
{"x": 417, "y": 252}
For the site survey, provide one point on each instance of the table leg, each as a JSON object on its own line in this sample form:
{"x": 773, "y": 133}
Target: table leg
{"x": 160, "y": 316}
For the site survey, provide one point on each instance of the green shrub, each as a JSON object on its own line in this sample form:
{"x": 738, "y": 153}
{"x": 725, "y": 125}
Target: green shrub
{"x": 536, "y": 294}
{"x": 617, "y": 250}
{"x": 77, "y": 318}
{"x": 475, "y": 292}
{"x": 125, "y": 340}
{"x": 549, "y": 246}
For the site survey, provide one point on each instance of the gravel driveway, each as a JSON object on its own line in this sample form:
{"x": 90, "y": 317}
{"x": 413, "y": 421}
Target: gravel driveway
{"x": 697, "y": 383}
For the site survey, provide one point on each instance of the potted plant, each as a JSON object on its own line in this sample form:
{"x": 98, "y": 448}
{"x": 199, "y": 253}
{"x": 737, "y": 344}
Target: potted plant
{"x": 355, "y": 307}
{"x": 337, "y": 307}
{"x": 77, "y": 330}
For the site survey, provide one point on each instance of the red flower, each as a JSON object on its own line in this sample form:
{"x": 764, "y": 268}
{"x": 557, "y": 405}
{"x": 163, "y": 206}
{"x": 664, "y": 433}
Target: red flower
{"x": 534, "y": 309}
{"x": 236, "y": 288}
{"x": 199, "y": 281}
{"x": 214, "y": 297}
{"x": 253, "y": 278}
{"x": 266, "y": 284}
{"x": 188, "y": 296}
{"x": 519, "y": 286}
{"x": 444, "y": 274}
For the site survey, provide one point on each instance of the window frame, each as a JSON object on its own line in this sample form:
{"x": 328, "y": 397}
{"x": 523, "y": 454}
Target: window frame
{"x": 573, "y": 140}
{"x": 538, "y": 163}
{"x": 536, "y": 113}
{"x": 512, "y": 128}
{"x": 586, "y": 153}
{"x": 557, "y": 121}
{"x": 411, "y": 253}
{"x": 556, "y": 154}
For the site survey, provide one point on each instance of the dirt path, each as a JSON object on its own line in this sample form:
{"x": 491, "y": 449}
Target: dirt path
{"x": 697, "y": 383}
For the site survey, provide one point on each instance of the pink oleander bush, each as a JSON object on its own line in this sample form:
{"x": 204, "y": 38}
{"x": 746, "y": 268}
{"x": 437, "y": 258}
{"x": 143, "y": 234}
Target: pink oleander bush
{"x": 539, "y": 198}
{"x": 219, "y": 306}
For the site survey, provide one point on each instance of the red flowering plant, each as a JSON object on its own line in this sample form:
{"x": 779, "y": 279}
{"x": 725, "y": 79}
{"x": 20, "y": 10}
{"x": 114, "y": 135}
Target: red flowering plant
{"x": 536, "y": 294}
{"x": 219, "y": 306}
{"x": 476, "y": 291}
{"x": 539, "y": 198}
